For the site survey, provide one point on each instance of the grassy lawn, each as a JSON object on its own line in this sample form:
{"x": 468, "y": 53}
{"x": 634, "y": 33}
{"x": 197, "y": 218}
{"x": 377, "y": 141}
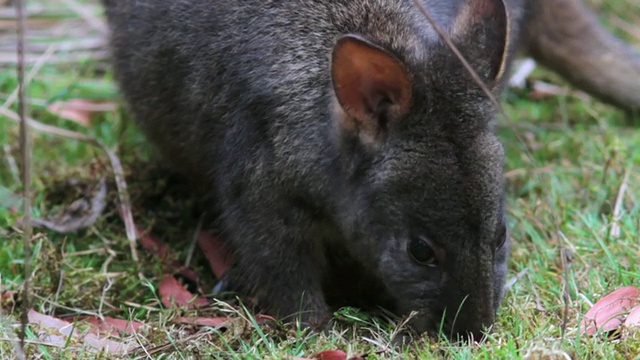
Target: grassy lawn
{"x": 573, "y": 170}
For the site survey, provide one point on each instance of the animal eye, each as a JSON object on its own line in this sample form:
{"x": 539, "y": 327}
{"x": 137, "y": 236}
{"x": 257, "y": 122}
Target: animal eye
{"x": 502, "y": 236}
{"x": 422, "y": 252}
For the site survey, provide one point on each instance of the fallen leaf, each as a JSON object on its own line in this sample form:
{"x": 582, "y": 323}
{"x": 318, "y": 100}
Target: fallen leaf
{"x": 80, "y": 214}
{"x": 215, "y": 322}
{"x": 631, "y": 326}
{"x": 608, "y": 313}
{"x": 66, "y": 329}
{"x": 80, "y": 111}
{"x": 260, "y": 318}
{"x": 633, "y": 319}
{"x": 154, "y": 245}
{"x": 172, "y": 292}
{"x": 8, "y": 299}
{"x": 110, "y": 325}
{"x": 216, "y": 253}
{"x": 331, "y": 355}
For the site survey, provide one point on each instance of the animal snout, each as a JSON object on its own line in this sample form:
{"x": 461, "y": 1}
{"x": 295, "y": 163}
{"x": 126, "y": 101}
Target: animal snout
{"x": 468, "y": 321}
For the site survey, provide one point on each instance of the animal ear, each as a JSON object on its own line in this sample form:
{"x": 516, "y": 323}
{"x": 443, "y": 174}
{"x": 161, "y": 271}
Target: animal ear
{"x": 372, "y": 88}
{"x": 481, "y": 32}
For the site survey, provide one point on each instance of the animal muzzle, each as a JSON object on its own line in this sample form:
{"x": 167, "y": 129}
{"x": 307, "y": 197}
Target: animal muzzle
{"x": 469, "y": 305}
{"x": 468, "y": 321}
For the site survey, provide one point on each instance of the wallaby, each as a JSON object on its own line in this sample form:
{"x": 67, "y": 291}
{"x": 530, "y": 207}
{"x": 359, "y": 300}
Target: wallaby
{"x": 349, "y": 155}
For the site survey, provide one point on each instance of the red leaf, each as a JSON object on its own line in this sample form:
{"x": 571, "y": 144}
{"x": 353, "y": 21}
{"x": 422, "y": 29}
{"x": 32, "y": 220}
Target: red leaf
{"x": 110, "y": 325}
{"x": 608, "y": 313}
{"x": 154, "y": 245}
{"x": 172, "y": 292}
{"x": 216, "y": 253}
{"x": 331, "y": 355}
{"x": 215, "y": 322}
{"x": 186, "y": 272}
{"x": 66, "y": 329}
{"x": 260, "y": 318}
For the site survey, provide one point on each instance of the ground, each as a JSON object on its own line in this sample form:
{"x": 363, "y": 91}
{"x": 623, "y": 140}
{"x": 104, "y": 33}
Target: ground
{"x": 573, "y": 173}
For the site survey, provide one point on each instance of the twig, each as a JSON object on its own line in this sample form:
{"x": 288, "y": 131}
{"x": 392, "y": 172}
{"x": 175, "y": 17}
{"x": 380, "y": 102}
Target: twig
{"x": 519, "y": 78}
{"x": 626, "y": 27}
{"x": 507, "y": 286}
{"x": 81, "y": 214}
{"x": 460, "y": 57}
{"x": 36, "y": 125}
{"x": 13, "y": 166}
{"x": 125, "y": 203}
{"x": 72, "y": 58}
{"x": 87, "y": 15}
{"x": 471, "y": 72}
{"x": 68, "y": 308}
{"x": 522, "y": 171}
{"x": 34, "y": 342}
{"x": 61, "y": 44}
{"x": 25, "y": 148}
{"x": 529, "y": 156}
{"x": 566, "y": 297}
{"x": 194, "y": 241}
{"x": 542, "y": 89}
{"x": 116, "y": 165}
{"x": 617, "y": 209}
{"x": 105, "y": 290}
{"x": 32, "y": 73}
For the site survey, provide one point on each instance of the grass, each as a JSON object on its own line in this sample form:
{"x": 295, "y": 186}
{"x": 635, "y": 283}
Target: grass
{"x": 567, "y": 161}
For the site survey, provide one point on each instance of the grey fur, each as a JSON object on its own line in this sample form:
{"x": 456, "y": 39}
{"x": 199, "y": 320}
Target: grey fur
{"x": 239, "y": 96}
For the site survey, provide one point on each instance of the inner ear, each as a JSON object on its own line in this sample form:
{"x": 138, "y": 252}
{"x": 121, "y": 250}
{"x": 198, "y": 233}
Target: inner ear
{"x": 372, "y": 86}
{"x": 481, "y": 31}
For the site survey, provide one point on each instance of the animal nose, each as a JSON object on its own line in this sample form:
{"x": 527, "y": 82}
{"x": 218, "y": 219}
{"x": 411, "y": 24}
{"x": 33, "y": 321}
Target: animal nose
{"x": 467, "y": 324}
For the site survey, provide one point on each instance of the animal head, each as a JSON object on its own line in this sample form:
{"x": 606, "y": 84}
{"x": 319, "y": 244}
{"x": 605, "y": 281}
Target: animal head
{"x": 424, "y": 180}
